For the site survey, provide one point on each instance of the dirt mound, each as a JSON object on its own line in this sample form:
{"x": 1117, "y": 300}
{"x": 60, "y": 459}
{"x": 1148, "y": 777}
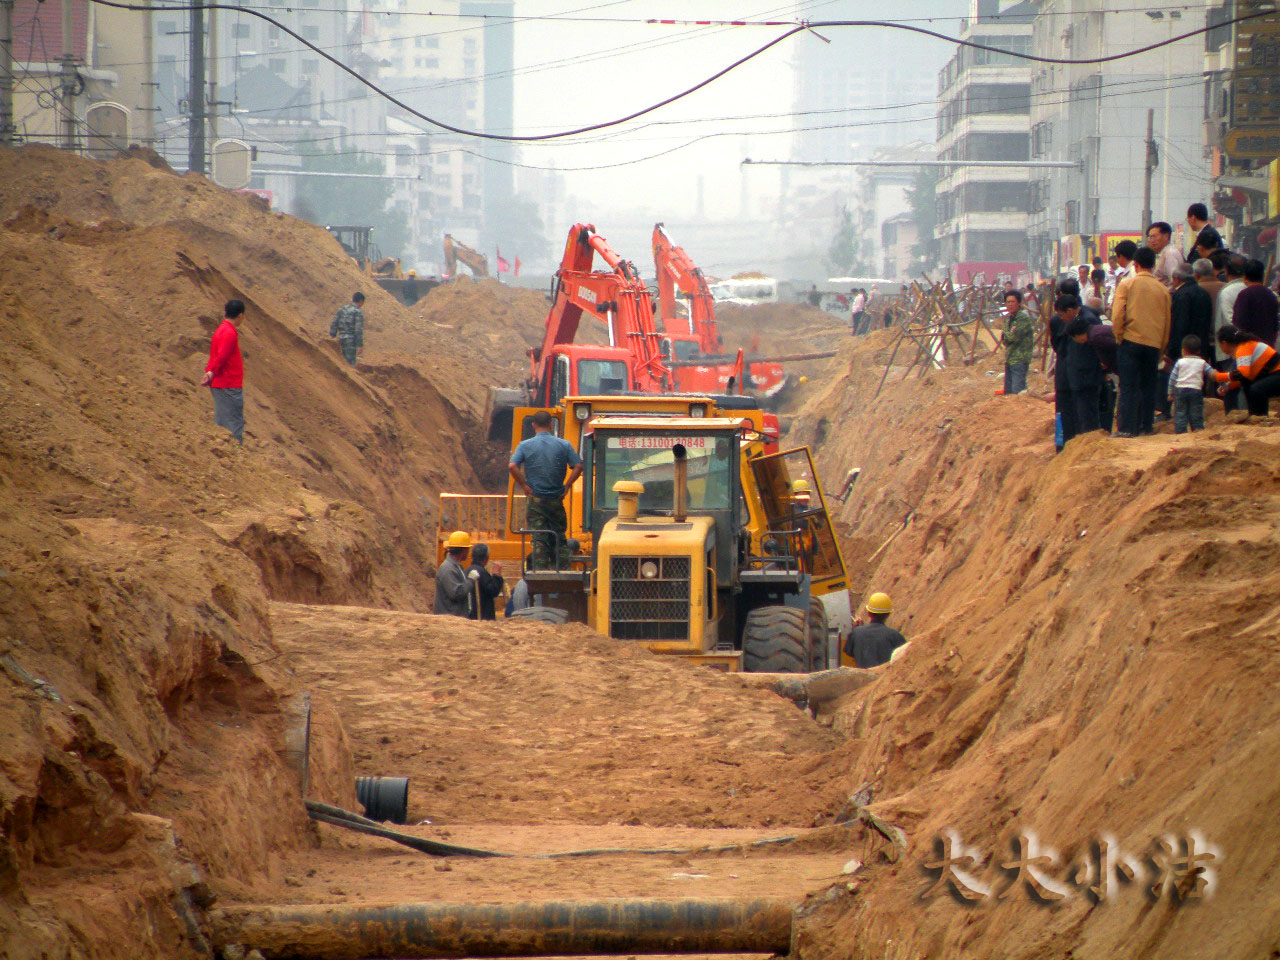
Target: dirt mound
{"x": 494, "y": 325}
{"x": 144, "y": 715}
{"x": 115, "y": 274}
{"x": 522, "y": 723}
{"x": 1093, "y": 654}
{"x": 143, "y": 700}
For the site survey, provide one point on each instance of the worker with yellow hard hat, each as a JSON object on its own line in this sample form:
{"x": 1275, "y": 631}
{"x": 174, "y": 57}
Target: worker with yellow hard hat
{"x": 871, "y": 644}
{"x": 453, "y": 586}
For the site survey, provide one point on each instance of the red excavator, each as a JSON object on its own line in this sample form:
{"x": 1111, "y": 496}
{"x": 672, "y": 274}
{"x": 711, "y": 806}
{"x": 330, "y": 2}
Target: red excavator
{"x": 561, "y": 368}
{"x": 692, "y": 345}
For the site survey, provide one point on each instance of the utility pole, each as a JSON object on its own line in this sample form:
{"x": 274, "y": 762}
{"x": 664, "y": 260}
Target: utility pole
{"x": 195, "y": 106}
{"x": 211, "y": 101}
{"x": 7, "y": 131}
{"x": 1150, "y": 169}
{"x": 68, "y": 82}
{"x": 148, "y": 108}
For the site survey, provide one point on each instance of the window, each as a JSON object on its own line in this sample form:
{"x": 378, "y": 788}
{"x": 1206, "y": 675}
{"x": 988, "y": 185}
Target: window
{"x": 430, "y": 63}
{"x": 276, "y": 64}
{"x": 240, "y": 31}
{"x": 469, "y": 45}
{"x": 311, "y": 33}
{"x": 1000, "y": 246}
{"x": 469, "y": 65}
{"x": 166, "y": 27}
{"x": 649, "y": 459}
{"x": 995, "y": 146}
{"x": 310, "y": 67}
{"x": 433, "y": 43}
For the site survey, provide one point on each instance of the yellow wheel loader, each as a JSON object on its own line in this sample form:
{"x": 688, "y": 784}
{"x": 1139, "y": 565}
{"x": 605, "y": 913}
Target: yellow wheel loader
{"x": 696, "y": 541}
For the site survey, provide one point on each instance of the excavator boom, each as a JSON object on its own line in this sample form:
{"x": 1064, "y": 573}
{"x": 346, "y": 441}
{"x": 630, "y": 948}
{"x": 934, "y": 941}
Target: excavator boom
{"x": 677, "y": 272}
{"x": 699, "y": 364}
{"x": 618, "y": 298}
{"x": 455, "y": 251}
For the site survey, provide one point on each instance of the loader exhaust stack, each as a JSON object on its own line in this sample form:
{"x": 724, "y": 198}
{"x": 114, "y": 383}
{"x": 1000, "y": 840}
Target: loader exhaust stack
{"x": 680, "y": 502}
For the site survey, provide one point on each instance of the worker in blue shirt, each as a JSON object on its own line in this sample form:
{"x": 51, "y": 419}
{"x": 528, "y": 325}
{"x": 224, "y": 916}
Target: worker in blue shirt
{"x": 538, "y": 467}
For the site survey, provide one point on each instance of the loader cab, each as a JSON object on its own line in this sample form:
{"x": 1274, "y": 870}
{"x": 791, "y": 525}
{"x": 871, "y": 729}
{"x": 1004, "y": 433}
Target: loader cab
{"x": 642, "y": 449}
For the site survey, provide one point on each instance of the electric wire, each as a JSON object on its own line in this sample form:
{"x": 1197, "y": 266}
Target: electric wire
{"x": 820, "y": 24}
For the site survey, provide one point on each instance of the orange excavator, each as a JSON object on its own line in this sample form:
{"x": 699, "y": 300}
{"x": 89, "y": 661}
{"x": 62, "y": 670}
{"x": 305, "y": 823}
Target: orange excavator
{"x": 455, "y": 252}
{"x": 618, "y": 297}
{"x": 692, "y": 345}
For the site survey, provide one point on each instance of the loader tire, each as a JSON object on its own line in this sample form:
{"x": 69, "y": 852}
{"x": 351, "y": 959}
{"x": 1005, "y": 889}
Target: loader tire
{"x": 819, "y": 652}
{"x": 775, "y": 640}
{"x": 541, "y": 614}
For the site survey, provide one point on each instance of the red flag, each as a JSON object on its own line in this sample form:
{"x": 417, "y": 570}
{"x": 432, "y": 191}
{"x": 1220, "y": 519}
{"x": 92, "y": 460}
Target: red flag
{"x": 503, "y": 266}
{"x": 517, "y": 266}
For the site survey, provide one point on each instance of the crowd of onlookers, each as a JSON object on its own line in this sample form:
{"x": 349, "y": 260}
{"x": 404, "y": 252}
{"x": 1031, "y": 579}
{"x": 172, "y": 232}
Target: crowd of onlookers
{"x": 1151, "y": 334}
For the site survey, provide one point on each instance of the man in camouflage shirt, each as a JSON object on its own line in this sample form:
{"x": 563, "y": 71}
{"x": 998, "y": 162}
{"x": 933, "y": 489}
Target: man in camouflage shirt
{"x": 1019, "y": 340}
{"x": 348, "y": 327}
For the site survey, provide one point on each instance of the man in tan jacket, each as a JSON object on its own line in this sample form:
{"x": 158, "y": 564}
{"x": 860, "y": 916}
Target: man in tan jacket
{"x": 1140, "y": 316}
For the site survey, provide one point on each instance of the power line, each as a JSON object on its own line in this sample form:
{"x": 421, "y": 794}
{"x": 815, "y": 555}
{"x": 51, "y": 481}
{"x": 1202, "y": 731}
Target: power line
{"x": 609, "y": 54}
{"x": 654, "y": 21}
{"x": 820, "y": 24}
{"x": 1192, "y": 81}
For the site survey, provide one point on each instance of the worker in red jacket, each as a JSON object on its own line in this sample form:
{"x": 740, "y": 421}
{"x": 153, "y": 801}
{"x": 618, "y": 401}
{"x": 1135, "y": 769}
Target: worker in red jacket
{"x": 224, "y": 373}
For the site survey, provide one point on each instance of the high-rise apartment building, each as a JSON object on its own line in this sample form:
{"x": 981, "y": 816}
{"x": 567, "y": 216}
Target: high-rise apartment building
{"x": 984, "y": 115}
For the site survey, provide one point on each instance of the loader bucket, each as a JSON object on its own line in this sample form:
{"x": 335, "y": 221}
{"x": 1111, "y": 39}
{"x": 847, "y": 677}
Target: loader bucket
{"x": 500, "y": 410}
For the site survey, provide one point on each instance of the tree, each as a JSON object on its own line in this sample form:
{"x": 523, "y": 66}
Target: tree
{"x": 843, "y": 255}
{"x": 354, "y": 201}
{"x": 923, "y": 200}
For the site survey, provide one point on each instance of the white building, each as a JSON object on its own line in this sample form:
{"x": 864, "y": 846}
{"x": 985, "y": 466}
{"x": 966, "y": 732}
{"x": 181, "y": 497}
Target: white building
{"x": 984, "y": 115}
{"x": 1095, "y": 115}
{"x": 882, "y": 195}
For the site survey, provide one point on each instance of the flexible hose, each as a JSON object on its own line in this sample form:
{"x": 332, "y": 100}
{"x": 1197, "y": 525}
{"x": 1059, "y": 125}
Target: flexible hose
{"x": 324, "y": 813}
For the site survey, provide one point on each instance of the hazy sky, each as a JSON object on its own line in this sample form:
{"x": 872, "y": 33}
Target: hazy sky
{"x": 610, "y": 69}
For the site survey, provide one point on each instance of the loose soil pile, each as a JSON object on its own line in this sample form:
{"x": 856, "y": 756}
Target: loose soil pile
{"x": 524, "y": 723}
{"x": 1094, "y": 640}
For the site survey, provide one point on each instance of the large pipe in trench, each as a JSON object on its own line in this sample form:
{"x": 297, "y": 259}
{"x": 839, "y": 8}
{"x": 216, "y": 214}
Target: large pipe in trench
{"x": 414, "y": 931}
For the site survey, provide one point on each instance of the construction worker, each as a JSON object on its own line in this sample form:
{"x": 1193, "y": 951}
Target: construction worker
{"x": 411, "y": 288}
{"x": 454, "y": 586}
{"x": 348, "y": 327}
{"x": 224, "y": 373}
{"x": 871, "y": 644}
{"x": 486, "y": 583}
{"x": 538, "y": 467}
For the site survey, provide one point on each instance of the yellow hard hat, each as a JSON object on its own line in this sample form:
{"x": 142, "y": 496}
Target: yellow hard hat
{"x": 413, "y": 273}
{"x": 800, "y": 486}
{"x": 879, "y": 603}
{"x": 459, "y": 538}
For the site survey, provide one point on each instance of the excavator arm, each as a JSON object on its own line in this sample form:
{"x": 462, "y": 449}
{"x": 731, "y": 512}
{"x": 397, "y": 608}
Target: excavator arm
{"x": 456, "y": 251}
{"x": 677, "y": 271}
{"x": 618, "y": 298}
